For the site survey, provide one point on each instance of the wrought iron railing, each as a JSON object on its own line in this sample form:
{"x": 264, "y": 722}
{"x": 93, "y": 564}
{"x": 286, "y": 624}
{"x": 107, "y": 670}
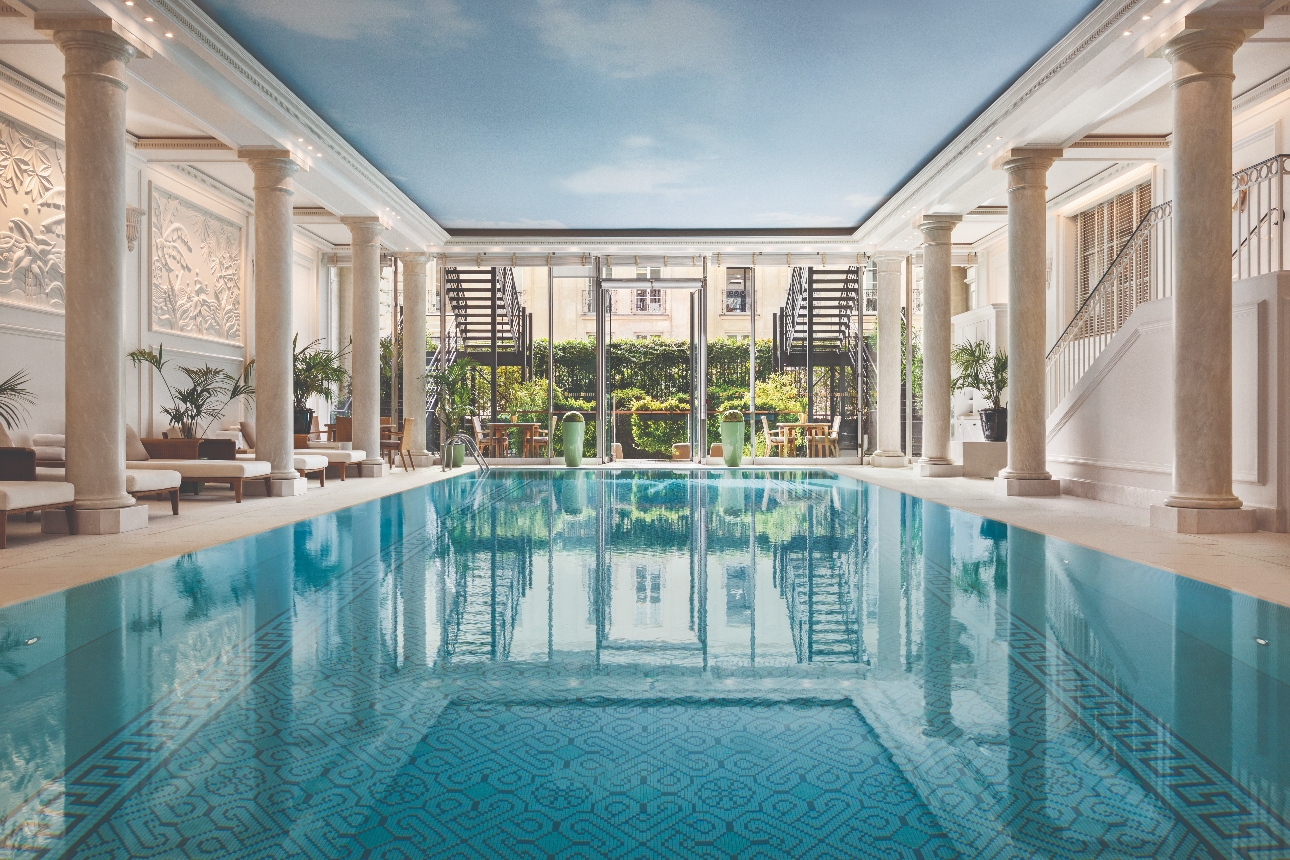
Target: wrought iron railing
{"x": 1142, "y": 272}
{"x": 1258, "y": 213}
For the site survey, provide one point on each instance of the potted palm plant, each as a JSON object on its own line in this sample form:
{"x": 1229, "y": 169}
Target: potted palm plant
{"x": 15, "y": 397}
{"x": 315, "y": 372}
{"x": 985, "y": 371}
{"x": 732, "y": 437}
{"x": 449, "y": 388}
{"x": 194, "y": 409}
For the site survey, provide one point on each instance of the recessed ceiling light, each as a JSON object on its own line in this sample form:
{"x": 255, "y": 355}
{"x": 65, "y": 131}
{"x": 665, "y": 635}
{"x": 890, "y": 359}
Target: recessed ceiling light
{"x": 1128, "y": 32}
{"x": 129, "y": 2}
{"x": 980, "y": 153}
{"x": 1146, "y": 17}
{"x": 170, "y": 35}
{"x": 300, "y": 140}
{"x": 989, "y": 146}
{"x": 998, "y": 138}
{"x": 310, "y": 146}
{"x": 148, "y": 18}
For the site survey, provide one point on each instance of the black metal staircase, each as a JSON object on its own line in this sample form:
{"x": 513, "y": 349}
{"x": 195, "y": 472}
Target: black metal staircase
{"x": 821, "y": 326}
{"x": 492, "y": 328}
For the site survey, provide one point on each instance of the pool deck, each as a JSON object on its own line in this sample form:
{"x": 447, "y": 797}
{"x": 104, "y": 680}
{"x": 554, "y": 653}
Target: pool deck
{"x": 1255, "y": 564}
{"x": 36, "y": 564}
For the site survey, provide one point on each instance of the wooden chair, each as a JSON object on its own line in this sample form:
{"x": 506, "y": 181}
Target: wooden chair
{"x": 535, "y": 441}
{"x": 400, "y": 445}
{"x": 815, "y": 437}
{"x": 827, "y": 445}
{"x": 315, "y": 431}
{"x": 344, "y": 431}
{"x": 776, "y": 440}
{"x": 482, "y": 440}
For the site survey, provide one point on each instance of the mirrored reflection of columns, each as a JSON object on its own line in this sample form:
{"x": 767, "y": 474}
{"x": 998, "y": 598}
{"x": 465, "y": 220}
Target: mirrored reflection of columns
{"x": 94, "y": 668}
{"x": 1203, "y": 675}
{"x": 345, "y": 321}
{"x": 1202, "y": 499}
{"x": 365, "y": 250}
{"x": 1027, "y": 678}
{"x": 414, "y": 573}
{"x": 273, "y": 688}
{"x": 939, "y": 628}
{"x": 937, "y": 255}
{"x": 274, "y": 316}
{"x": 414, "y": 351}
{"x": 890, "y": 565}
{"x": 94, "y": 266}
{"x": 1027, "y": 472}
{"x": 890, "y": 451}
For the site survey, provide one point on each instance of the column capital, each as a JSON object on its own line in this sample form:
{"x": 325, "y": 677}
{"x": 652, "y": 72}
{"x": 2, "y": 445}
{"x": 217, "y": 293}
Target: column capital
{"x": 364, "y": 229}
{"x": 1027, "y": 158}
{"x": 1222, "y": 29}
{"x": 890, "y": 261}
{"x": 95, "y": 33}
{"x": 273, "y": 167}
{"x": 415, "y": 260}
{"x": 936, "y": 228}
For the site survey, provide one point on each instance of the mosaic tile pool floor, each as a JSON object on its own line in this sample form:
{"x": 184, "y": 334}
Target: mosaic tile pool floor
{"x": 645, "y": 664}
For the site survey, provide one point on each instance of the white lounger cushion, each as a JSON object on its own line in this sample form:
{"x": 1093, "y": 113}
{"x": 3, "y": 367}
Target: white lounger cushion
{"x": 16, "y": 495}
{"x": 333, "y": 455}
{"x": 211, "y": 470}
{"x": 309, "y": 462}
{"x": 136, "y": 480}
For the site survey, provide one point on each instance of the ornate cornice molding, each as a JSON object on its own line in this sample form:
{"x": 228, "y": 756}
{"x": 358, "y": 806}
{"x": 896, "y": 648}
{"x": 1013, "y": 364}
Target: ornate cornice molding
{"x": 198, "y": 26}
{"x": 210, "y": 182}
{"x": 41, "y": 93}
{"x": 181, "y": 143}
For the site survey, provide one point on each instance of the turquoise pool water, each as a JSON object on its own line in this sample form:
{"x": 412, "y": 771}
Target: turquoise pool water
{"x": 645, "y": 664}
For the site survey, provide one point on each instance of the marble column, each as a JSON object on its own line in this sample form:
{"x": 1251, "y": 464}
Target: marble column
{"x": 937, "y": 255}
{"x": 274, "y": 317}
{"x": 1202, "y": 500}
{"x": 95, "y": 58}
{"x": 1027, "y": 472}
{"x": 890, "y": 453}
{"x": 345, "y": 321}
{"x": 365, "y": 249}
{"x": 414, "y": 351}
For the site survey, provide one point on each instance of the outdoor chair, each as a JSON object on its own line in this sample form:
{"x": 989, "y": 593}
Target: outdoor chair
{"x": 534, "y": 443}
{"x": 776, "y": 440}
{"x": 486, "y": 444}
{"x": 400, "y": 444}
{"x": 825, "y": 445}
{"x": 816, "y": 438}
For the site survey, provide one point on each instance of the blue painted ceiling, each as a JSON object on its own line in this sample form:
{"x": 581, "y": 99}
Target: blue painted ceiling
{"x": 600, "y": 114}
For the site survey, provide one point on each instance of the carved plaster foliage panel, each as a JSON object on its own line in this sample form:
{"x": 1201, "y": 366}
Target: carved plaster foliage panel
{"x": 196, "y": 266}
{"x": 31, "y": 217}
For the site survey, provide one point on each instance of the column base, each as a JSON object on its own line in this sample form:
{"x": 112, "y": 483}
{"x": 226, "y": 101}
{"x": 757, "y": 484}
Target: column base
{"x": 288, "y": 486}
{"x": 938, "y": 470}
{"x": 423, "y": 460}
{"x": 371, "y": 470}
{"x": 1027, "y": 487}
{"x": 1204, "y": 521}
{"x": 101, "y": 521}
{"x": 883, "y": 460}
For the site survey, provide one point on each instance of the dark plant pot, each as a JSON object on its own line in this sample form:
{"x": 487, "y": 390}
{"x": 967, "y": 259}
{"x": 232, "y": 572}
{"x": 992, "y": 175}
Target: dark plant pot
{"x": 304, "y": 421}
{"x": 994, "y": 424}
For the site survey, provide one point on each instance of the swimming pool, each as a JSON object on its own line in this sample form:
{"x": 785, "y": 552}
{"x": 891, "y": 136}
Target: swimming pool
{"x": 640, "y": 664}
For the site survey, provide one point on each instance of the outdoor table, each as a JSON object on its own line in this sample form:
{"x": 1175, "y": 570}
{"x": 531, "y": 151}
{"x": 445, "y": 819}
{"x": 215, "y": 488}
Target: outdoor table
{"x": 793, "y": 426}
{"x": 500, "y": 434}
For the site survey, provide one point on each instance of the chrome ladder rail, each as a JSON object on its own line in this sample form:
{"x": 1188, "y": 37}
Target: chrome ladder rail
{"x": 471, "y": 448}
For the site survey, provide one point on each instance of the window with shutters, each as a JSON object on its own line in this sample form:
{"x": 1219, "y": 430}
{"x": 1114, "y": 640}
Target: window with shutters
{"x": 1101, "y": 233}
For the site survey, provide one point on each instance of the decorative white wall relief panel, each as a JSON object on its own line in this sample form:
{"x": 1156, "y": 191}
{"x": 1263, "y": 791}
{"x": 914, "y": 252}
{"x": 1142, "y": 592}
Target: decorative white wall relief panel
{"x": 31, "y": 205}
{"x": 196, "y": 270}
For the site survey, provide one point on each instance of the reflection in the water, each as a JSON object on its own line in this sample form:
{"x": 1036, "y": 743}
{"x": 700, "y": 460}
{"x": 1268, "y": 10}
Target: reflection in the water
{"x": 458, "y": 658}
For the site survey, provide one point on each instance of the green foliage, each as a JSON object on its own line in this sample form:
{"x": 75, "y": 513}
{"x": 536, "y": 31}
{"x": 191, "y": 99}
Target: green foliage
{"x": 209, "y": 393}
{"x": 655, "y": 434}
{"x": 453, "y": 385}
{"x": 316, "y": 371}
{"x": 733, "y": 416}
{"x": 574, "y": 418}
{"x": 982, "y": 369}
{"x": 15, "y": 397}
